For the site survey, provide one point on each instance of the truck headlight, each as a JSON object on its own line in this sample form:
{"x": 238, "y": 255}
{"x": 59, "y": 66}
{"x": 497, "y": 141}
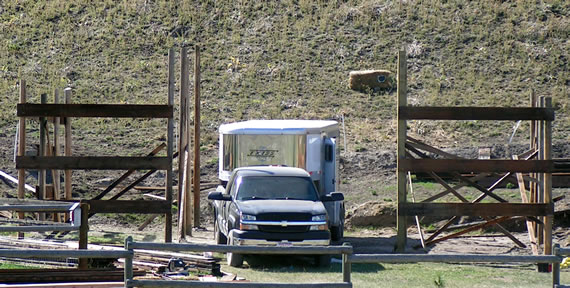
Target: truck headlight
{"x": 247, "y": 217}
{"x": 318, "y": 227}
{"x": 321, "y": 227}
{"x": 319, "y": 218}
{"x": 247, "y": 226}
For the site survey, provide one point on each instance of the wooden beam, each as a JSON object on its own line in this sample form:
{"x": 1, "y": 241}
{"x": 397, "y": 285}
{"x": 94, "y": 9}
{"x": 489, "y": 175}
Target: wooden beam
{"x": 196, "y": 158}
{"x": 129, "y": 206}
{"x": 549, "y": 219}
{"x": 56, "y": 151}
{"x": 67, "y": 148}
{"x": 446, "y": 186}
{"x": 95, "y": 110}
{"x": 455, "y": 187}
{"x": 422, "y": 146}
{"x": 418, "y": 224}
{"x": 486, "y": 192}
{"x": 476, "y": 209}
{"x": 473, "y": 228}
{"x": 126, "y": 175}
{"x": 183, "y": 225}
{"x": 540, "y": 191}
{"x": 402, "y": 82}
{"x": 22, "y": 151}
{"x": 475, "y": 113}
{"x": 92, "y": 162}
{"x": 475, "y": 166}
{"x": 529, "y": 226}
{"x": 84, "y": 234}
{"x": 169, "y": 148}
{"x": 41, "y": 195}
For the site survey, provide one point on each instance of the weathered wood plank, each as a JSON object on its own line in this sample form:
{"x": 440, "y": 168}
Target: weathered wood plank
{"x": 475, "y": 113}
{"x": 476, "y": 209}
{"x": 128, "y": 206}
{"x": 402, "y": 79}
{"x": 476, "y": 166}
{"x": 95, "y": 110}
{"x": 92, "y": 162}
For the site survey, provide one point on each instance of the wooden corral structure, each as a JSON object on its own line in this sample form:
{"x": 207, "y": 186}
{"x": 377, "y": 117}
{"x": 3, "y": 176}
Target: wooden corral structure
{"x": 50, "y": 159}
{"x": 534, "y": 166}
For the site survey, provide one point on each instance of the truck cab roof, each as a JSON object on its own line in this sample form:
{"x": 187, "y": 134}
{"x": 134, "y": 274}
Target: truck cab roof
{"x": 281, "y": 127}
{"x": 271, "y": 171}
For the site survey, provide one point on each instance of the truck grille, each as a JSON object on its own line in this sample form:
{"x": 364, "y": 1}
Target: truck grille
{"x": 280, "y": 229}
{"x": 284, "y": 217}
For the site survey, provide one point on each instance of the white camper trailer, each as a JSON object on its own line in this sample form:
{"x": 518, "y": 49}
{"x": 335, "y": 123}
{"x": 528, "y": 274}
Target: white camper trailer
{"x": 307, "y": 144}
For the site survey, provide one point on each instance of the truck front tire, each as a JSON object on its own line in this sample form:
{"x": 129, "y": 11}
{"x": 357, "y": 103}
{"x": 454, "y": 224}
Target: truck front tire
{"x": 234, "y": 260}
{"x": 337, "y": 232}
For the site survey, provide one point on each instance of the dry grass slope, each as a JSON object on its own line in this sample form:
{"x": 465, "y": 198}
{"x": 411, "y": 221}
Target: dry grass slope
{"x": 289, "y": 59}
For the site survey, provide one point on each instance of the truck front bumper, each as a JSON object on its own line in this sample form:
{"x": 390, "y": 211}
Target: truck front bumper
{"x": 312, "y": 238}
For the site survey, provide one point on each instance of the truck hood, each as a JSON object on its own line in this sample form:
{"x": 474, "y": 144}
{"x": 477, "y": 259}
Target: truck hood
{"x": 255, "y": 207}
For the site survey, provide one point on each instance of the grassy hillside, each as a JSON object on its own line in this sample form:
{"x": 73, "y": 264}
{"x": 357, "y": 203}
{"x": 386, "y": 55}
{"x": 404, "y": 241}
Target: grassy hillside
{"x": 290, "y": 59}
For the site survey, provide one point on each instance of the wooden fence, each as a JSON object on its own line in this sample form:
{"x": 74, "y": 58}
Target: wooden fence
{"x": 415, "y": 156}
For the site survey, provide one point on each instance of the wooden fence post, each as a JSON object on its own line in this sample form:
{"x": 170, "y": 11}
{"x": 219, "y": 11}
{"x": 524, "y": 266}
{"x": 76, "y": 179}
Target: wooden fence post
{"x": 540, "y": 191}
{"x": 402, "y": 102}
{"x": 83, "y": 233}
{"x": 170, "y": 147}
{"x": 22, "y": 152}
{"x": 548, "y": 180}
{"x": 42, "y": 152}
{"x": 55, "y": 172}
{"x": 196, "y": 170}
{"x": 346, "y": 266}
{"x": 67, "y": 145}
{"x": 183, "y": 226}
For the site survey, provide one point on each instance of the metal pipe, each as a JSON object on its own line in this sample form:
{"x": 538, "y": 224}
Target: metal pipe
{"x": 38, "y": 228}
{"x": 36, "y": 208}
{"x": 556, "y": 266}
{"x": 128, "y": 268}
{"x": 346, "y": 266}
{"x": 563, "y": 252}
{"x": 463, "y": 258}
{"x": 162, "y": 283}
{"x": 17, "y": 253}
{"x": 243, "y": 249}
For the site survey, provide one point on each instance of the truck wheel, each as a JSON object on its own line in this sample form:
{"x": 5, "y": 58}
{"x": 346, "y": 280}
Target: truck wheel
{"x": 322, "y": 260}
{"x": 234, "y": 260}
{"x": 218, "y": 235}
{"x": 337, "y": 232}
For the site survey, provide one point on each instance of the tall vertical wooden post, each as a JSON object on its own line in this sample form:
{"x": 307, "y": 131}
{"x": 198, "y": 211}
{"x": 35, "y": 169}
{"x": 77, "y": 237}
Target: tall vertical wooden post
{"x": 67, "y": 146}
{"x": 540, "y": 190}
{"x": 547, "y": 180}
{"x": 533, "y": 185}
{"x": 22, "y": 151}
{"x": 184, "y": 222}
{"x": 170, "y": 147}
{"x": 401, "y": 153}
{"x": 42, "y": 152}
{"x": 83, "y": 234}
{"x": 183, "y": 226}
{"x": 55, "y": 172}
{"x": 196, "y": 170}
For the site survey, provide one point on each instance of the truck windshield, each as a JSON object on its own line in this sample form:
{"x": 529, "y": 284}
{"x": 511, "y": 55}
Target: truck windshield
{"x": 276, "y": 187}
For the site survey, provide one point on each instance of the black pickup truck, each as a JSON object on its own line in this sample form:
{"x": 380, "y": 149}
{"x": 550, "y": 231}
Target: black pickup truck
{"x": 277, "y": 206}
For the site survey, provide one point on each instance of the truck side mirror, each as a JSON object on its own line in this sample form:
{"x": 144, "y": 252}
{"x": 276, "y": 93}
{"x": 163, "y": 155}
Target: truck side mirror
{"x": 219, "y": 196}
{"x": 334, "y": 196}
